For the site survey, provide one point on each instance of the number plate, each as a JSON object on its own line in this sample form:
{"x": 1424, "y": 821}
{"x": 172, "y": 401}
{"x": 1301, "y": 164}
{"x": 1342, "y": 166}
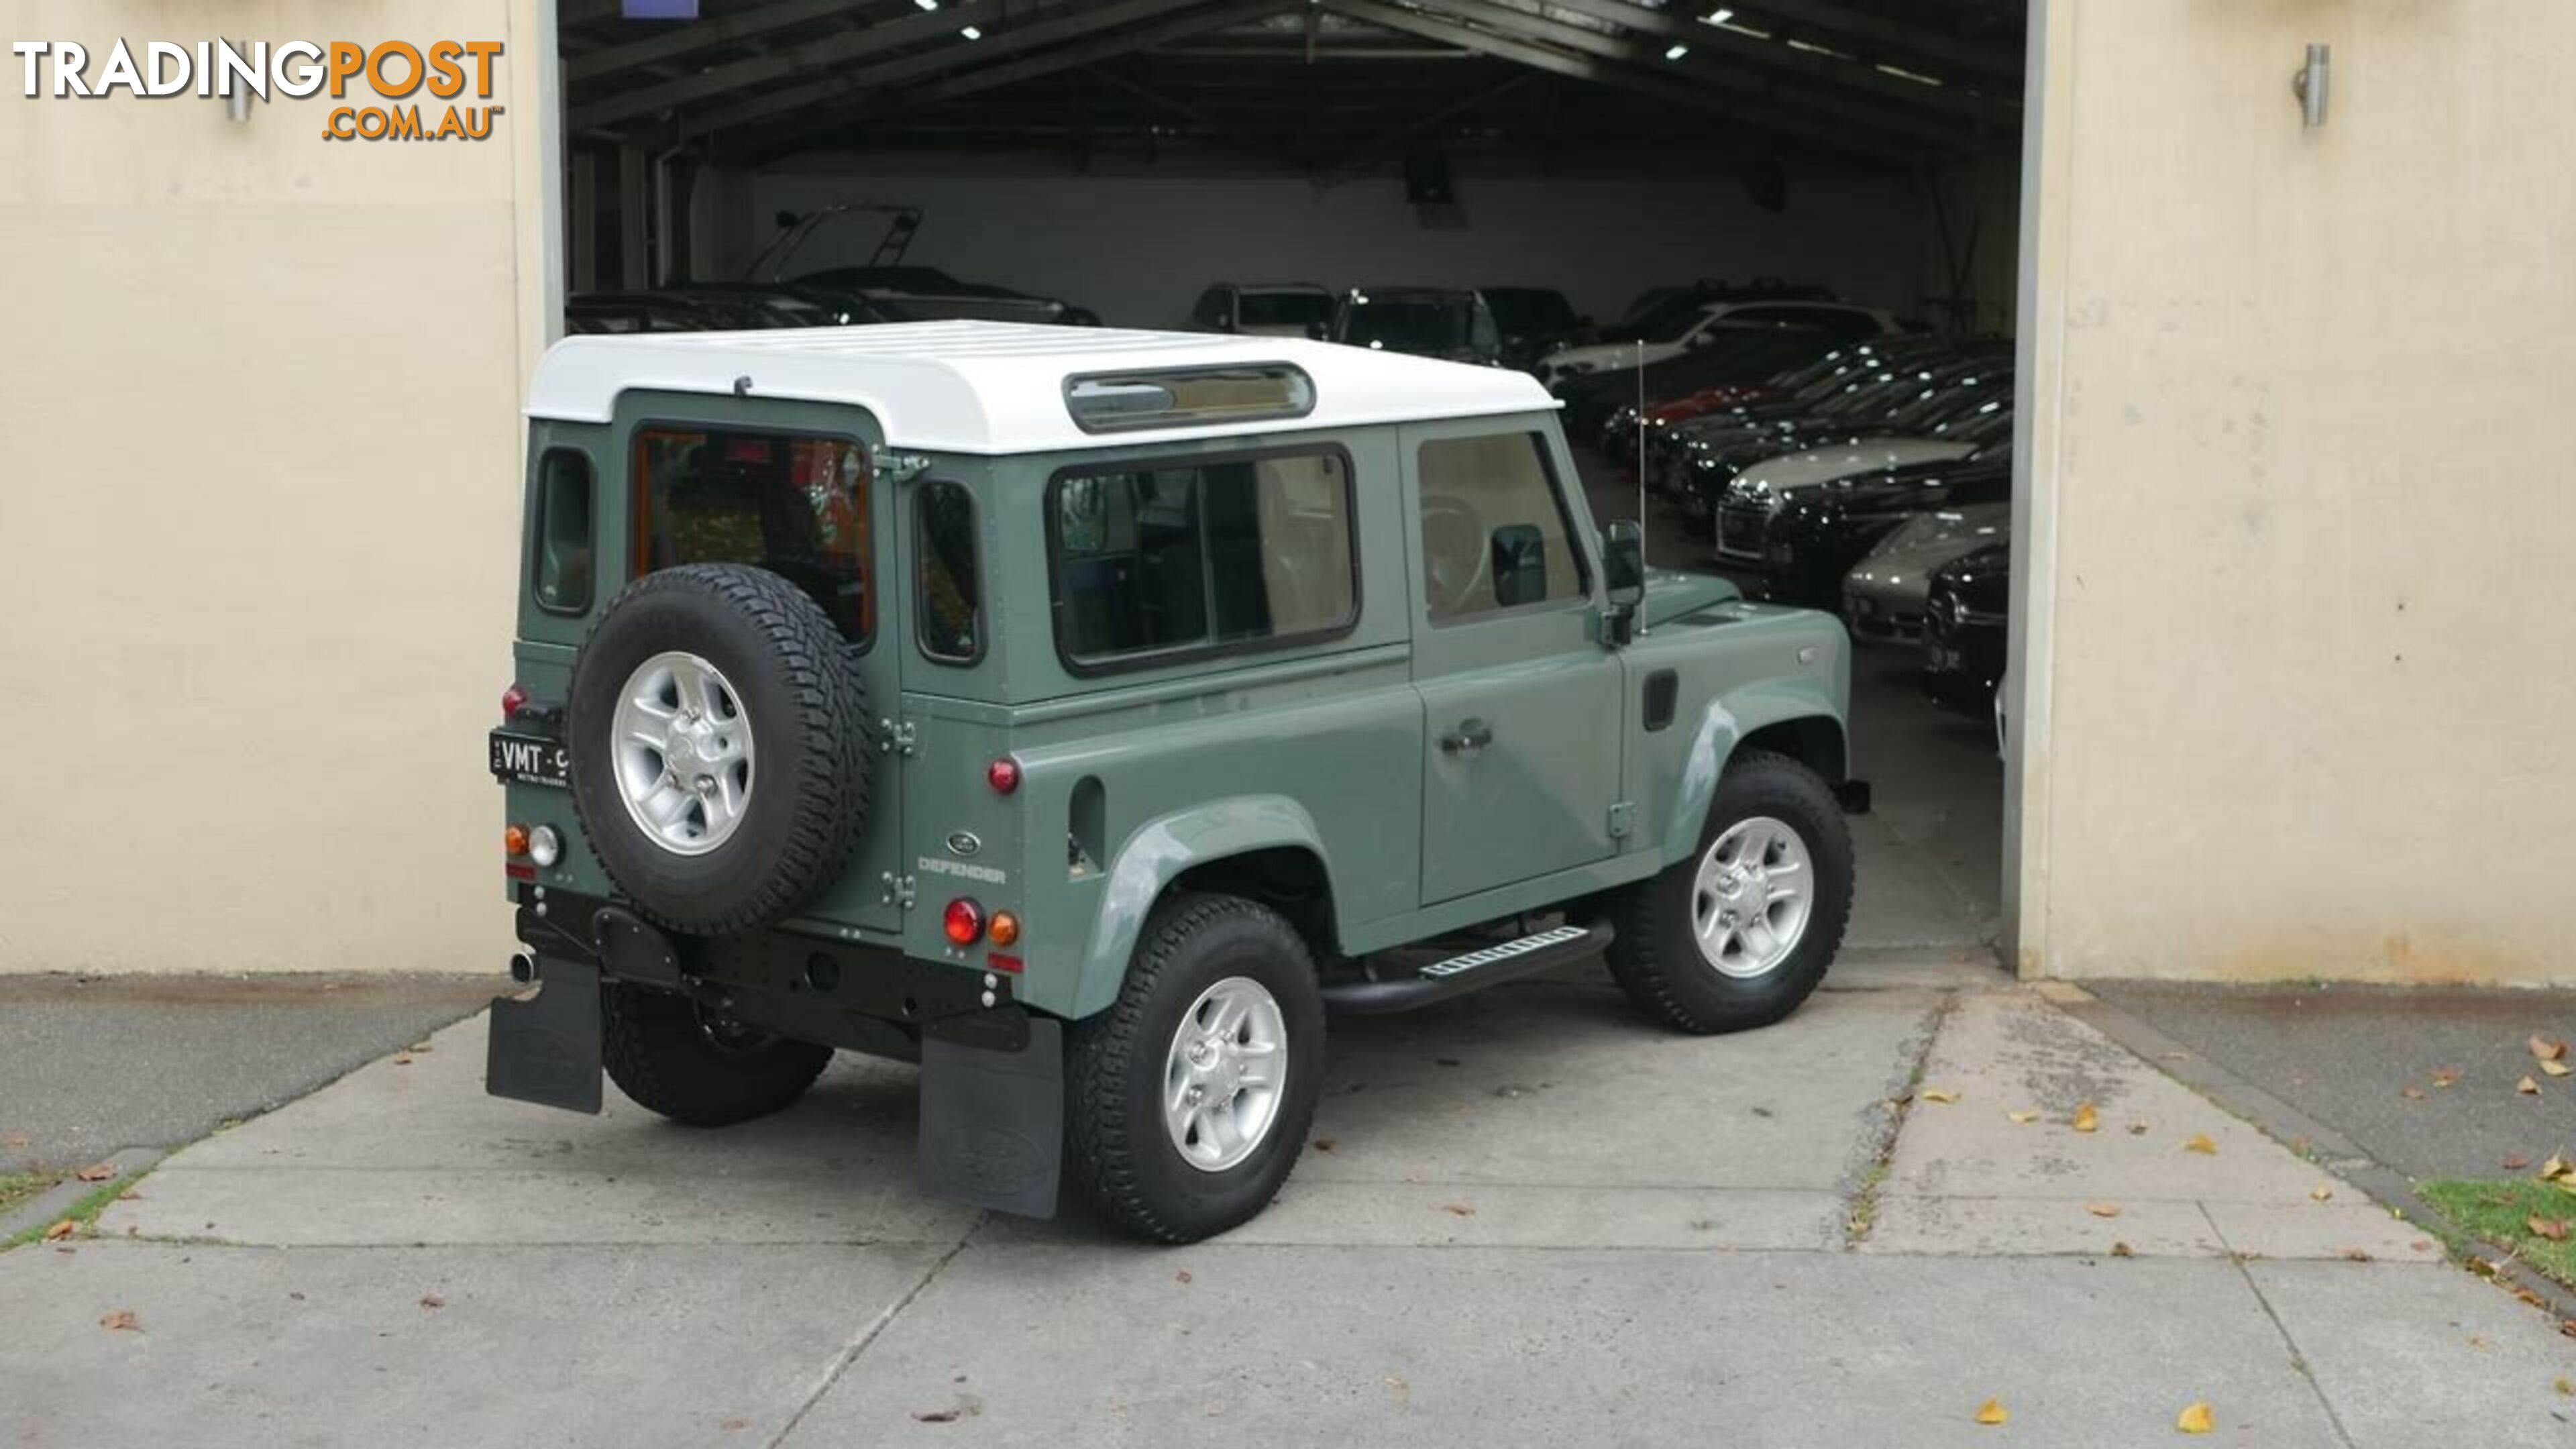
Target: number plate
{"x": 530, "y": 759}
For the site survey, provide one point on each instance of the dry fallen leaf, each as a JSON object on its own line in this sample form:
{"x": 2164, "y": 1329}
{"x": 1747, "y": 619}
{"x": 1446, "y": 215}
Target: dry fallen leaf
{"x": 2555, "y": 1168}
{"x": 2516, "y": 1163}
{"x": 2025, "y": 1116}
{"x": 731, "y": 1425}
{"x": 2446, "y": 1076}
{"x": 122, "y": 1321}
{"x": 2085, "y": 1118}
{"x": 2357, "y": 1255}
{"x": 60, "y": 1231}
{"x": 2103, "y": 1209}
{"x": 2556, "y": 1068}
{"x": 1182, "y": 1276}
{"x": 2321, "y": 1192}
{"x": 2123, "y": 1250}
{"x": 935, "y": 1416}
{"x": 1458, "y": 1209}
{"x": 16, "y": 1139}
{"x": 402, "y": 1061}
{"x": 1939, "y": 1094}
{"x": 2527, "y": 1087}
{"x": 2554, "y": 1229}
{"x": 96, "y": 1172}
{"x": 2199, "y": 1142}
{"x": 432, "y": 1300}
{"x": 1992, "y": 1411}
{"x": 2548, "y": 1049}
{"x": 2196, "y": 1418}
{"x": 2563, "y": 1386}
{"x": 2416, "y": 1094}
{"x": 1323, "y": 1144}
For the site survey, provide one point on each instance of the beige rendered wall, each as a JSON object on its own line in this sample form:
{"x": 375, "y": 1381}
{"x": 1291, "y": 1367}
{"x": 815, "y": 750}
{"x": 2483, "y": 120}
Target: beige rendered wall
{"x": 258, "y": 477}
{"x": 2300, "y": 634}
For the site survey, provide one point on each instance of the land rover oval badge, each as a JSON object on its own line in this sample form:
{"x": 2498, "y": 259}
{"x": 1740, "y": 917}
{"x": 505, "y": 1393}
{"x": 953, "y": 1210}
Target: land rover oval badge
{"x": 963, "y": 842}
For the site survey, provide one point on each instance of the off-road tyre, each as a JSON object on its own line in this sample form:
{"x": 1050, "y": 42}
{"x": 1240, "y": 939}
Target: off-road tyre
{"x": 1656, "y": 957}
{"x": 808, "y": 716}
{"x": 660, "y": 1051}
{"x": 1117, "y": 1150}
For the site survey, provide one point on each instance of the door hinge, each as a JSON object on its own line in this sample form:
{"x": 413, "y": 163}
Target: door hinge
{"x": 895, "y": 739}
{"x": 900, "y": 468}
{"x": 898, "y": 891}
{"x": 1623, "y": 818}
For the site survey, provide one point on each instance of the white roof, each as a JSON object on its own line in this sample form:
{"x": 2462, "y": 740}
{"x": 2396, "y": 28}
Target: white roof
{"x": 997, "y": 387}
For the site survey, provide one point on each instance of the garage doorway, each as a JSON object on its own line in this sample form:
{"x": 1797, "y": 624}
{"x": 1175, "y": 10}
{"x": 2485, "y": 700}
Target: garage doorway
{"x": 1602, "y": 172}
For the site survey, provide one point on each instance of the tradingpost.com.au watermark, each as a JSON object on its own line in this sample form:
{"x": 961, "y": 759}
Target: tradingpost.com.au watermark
{"x": 396, "y": 71}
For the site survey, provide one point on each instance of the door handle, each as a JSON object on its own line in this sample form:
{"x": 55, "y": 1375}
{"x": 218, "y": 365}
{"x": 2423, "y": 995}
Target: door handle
{"x": 1468, "y": 739}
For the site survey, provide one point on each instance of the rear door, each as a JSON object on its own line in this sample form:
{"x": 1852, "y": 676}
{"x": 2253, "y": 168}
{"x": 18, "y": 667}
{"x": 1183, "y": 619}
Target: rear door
{"x": 792, "y": 488}
{"x": 1520, "y": 700}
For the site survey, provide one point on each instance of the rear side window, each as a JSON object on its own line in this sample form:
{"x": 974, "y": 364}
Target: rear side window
{"x": 1495, "y": 534}
{"x": 1157, "y": 560}
{"x": 563, "y": 533}
{"x": 794, "y": 504}
{"x": 950, "y": 598}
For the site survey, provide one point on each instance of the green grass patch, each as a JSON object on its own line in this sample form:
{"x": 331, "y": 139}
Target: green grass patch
{"x": 17, "y": 1187}
{"x": 83, "y": 1212}
{"x": 2499, "y": 1211}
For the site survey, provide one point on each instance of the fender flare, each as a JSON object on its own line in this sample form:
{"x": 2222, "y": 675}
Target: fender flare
{"x": 1723, "y": 725}
{"x": 1156, "y": 854}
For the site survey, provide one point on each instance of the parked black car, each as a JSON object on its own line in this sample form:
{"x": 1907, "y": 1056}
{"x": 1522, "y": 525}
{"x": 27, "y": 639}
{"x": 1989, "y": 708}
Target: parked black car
{"x": 1445, "y": 322}
{"x": 1964, "y": 621}
{"x": 1532, "y": 319}
{"x": 1911, "y": 394}
{"x": 1814, "y": 541}
{"x": 927, "y": 294}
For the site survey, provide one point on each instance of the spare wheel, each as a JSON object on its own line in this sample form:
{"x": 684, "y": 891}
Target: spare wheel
{"x": 719, "y": 747}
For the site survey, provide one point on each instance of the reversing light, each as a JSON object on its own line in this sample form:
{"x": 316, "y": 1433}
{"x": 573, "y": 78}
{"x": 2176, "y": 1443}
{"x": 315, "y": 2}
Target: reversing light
{"x": 1003, "y": 775}
{"x": 511, "y": 699}
{"x": 514, "y": 841}
{"x": 544, "y": 846}
{"x": 963, "y": 921}
{"x": 1005, "y": 928}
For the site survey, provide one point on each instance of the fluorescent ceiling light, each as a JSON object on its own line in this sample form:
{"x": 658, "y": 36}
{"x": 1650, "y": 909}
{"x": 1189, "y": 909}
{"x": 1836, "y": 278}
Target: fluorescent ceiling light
{"x": 1677, "y": 52}
{"x": 927, "y": 4}
{"x": 971, "y": 33}
{"x": 1718, "y": 16}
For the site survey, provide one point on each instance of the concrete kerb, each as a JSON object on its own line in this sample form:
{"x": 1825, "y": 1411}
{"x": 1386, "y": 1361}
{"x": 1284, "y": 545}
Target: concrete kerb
{"x": 54, "y": 1203}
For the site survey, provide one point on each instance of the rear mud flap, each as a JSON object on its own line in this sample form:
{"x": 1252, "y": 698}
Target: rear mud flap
{"x": 546, "y": 1050}
{"x": 992, "y": 1118}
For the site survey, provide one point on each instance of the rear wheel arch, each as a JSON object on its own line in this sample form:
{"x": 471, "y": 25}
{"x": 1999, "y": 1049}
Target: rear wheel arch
{"x": 1263, "y": 848}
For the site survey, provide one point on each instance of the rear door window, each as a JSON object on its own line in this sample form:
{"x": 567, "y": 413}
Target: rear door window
{"x": 949, "y": 582}
{"x": 795, "y": 504}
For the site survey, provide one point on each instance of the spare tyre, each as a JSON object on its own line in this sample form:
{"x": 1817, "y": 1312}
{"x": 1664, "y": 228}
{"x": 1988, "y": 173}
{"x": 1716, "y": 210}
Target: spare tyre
{"x": 719, "y": 747}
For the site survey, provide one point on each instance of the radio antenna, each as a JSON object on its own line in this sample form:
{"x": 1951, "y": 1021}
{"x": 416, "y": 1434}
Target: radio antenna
{"x": 1641, "y": 471}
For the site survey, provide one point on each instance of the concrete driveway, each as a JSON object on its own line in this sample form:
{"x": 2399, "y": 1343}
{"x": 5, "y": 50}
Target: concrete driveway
{"x": 1524, "y": 1218}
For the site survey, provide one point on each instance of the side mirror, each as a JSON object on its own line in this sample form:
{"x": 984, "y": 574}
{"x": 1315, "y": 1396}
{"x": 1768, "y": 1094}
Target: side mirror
{"x": 1520, "y": 564}
{"x": 1623, "y": 562}
{"x": 1623, "y": 568}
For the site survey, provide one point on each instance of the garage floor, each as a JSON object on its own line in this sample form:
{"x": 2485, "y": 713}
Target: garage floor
{"x": 1526, "y": 1217}
{"x": 1930, "y": 855}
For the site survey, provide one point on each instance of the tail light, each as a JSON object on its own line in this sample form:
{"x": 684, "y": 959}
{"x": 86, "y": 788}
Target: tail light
{"x": 511, "y": 699}
{"x": 963, "y": 921}
{"x": 1005, "y": 928}
{"x": 1003, "y": 775}
{"x": 514, "y": 841}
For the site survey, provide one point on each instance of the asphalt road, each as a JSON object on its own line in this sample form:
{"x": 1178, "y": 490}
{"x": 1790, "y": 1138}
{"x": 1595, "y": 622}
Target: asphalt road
{"x": 89, "y": 1065}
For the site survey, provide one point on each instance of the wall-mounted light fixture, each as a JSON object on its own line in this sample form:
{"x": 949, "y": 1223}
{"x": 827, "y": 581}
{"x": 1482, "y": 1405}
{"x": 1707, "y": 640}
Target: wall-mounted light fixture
{"x": 2309, "y": 85}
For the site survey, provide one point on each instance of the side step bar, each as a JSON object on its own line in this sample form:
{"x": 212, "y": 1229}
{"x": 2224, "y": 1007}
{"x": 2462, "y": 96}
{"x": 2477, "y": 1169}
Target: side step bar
{"x": 1474, "y": 971}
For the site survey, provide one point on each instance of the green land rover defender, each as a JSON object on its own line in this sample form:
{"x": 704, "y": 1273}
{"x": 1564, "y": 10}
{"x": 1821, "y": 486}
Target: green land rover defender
{"x": 1086, "y": 715}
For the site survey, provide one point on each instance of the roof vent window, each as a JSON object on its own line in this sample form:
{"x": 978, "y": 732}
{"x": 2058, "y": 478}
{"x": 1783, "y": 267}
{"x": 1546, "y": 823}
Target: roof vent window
{"x": 1118, "y": 402}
